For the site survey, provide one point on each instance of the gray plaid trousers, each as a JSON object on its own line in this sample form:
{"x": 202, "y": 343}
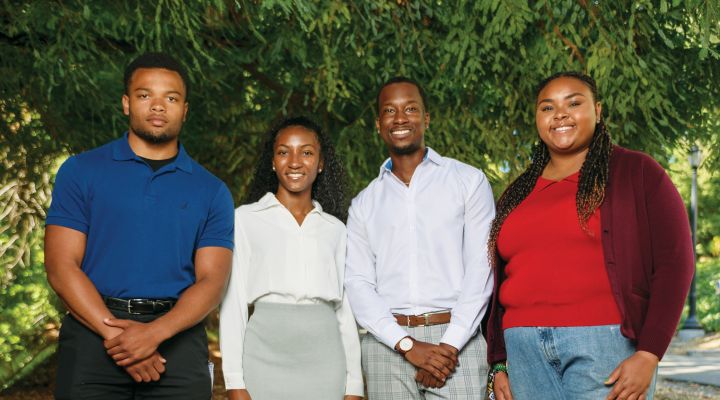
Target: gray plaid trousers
{"x": 390, "y": 377}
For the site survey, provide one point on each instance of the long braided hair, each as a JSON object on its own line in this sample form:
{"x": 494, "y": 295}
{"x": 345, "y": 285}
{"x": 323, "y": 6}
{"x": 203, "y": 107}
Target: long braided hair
{"x": 330, "y": 186}
{"x": 593, "y": 173}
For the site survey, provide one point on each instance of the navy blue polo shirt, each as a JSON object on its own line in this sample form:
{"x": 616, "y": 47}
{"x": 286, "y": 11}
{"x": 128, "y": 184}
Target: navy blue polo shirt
{"x": 143, "y": 227}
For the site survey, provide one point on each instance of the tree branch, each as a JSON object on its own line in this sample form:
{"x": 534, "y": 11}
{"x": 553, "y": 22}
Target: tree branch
{"x": 571, "y": 45}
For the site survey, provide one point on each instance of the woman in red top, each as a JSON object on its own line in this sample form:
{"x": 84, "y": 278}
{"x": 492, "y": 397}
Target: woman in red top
{"x": 593, "y": 260}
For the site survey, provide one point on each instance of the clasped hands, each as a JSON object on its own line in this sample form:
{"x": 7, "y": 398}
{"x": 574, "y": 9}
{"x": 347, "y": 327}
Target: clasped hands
{"x": 135, "y": 349}
{"x": 434, "y": 362}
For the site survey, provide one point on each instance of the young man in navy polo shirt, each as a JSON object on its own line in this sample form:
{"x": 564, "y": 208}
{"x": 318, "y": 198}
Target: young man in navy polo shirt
{"x": 138, "y": 245}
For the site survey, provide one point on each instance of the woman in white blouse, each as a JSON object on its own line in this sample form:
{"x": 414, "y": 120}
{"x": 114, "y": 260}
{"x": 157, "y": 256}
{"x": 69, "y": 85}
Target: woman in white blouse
{"x": 301, "y": 341}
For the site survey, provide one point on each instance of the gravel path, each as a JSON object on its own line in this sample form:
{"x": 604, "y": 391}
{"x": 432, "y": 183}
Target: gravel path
{"x": 669, "y": 390}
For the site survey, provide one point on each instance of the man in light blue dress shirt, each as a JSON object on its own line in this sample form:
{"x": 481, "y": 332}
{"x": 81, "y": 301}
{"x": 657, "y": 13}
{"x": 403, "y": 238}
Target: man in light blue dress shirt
{"x": 417, "y": 270}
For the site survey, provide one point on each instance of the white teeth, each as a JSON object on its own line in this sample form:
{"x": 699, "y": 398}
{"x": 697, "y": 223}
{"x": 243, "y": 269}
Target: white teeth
{"x": 402, "y": 132}
{"x": 563, "y": 128}
{"x": 295, "y": 176}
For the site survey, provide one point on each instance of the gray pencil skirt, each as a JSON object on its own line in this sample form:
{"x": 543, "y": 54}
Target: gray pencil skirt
{"x": 294, "y": 351}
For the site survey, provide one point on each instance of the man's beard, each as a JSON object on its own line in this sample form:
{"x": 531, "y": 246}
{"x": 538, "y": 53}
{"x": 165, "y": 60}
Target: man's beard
{"x": 406, "y": 150}
{"x": 160, "y": 138}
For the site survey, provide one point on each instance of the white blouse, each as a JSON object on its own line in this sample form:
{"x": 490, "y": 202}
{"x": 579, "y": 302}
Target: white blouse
{"x": 276, "y": 260}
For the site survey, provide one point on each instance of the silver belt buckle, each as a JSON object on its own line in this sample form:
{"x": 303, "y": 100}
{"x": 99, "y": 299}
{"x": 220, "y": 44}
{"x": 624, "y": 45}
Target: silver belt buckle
{"x": 130, "y": 309}
{"x": 427, "y": 321}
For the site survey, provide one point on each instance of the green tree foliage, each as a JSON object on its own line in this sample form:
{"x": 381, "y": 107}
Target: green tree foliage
{"x": 707, "y": 249}
{"x": 27, "y": 312}
{"x": 26, "y": 156}
{"x": 708, "y": 192}
{"x": 28, "y": 322}
{"x": 252, "y": 62}
{"x": 708, "y": 294}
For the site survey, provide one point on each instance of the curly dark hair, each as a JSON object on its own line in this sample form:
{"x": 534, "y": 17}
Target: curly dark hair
{"x": 330, "y": 186}
{"x": 593, "y": 173}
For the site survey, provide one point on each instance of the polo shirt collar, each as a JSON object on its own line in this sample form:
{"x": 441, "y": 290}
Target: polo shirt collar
{"x": 270, "y": 201}
{"x": 123, "y": 152}
{"x": 430, "y": 155}
{"x": 183, "y": 160}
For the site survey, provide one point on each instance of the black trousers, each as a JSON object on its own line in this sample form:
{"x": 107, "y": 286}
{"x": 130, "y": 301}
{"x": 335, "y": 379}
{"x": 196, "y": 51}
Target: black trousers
{"x": 85, "y": 371}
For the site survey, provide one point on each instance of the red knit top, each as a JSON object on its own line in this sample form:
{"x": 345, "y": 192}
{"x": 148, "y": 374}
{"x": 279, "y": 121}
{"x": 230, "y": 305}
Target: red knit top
{"x": 556, "y": 273}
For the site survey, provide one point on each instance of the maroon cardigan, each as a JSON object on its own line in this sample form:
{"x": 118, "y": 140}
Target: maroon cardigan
{"x": 648, "y": 254}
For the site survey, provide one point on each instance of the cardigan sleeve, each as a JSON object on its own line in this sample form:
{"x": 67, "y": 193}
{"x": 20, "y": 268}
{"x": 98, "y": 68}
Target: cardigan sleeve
{"x": 672, "y": 259}
{"x": 493, "y": 318}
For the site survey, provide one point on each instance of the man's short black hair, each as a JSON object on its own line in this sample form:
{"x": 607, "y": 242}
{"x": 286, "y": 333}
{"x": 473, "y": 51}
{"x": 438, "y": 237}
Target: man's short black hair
{"x": 156, "y": 60}
{"x": 402, "y": 79}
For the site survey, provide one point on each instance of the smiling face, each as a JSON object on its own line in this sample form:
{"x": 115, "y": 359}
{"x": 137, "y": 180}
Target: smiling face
{"x": 403, "y": 120}
{"x": 155, "y": 103}
{"x": 566, "y": 114}
{"x": 296, "y": 160}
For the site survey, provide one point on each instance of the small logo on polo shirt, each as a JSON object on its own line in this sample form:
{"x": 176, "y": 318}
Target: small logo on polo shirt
{"x": 183, "y": 205}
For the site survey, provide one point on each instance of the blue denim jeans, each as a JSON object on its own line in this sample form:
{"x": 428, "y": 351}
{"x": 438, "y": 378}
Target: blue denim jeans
{"x": 566, "y": 363}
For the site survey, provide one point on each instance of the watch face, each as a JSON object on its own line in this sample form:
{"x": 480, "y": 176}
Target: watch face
{"x": 406, "y": 344}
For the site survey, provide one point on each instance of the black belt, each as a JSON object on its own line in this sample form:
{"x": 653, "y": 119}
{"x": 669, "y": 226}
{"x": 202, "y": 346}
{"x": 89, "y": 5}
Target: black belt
{"x": 139, "y": 306}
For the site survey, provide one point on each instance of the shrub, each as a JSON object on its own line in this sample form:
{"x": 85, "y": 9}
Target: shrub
{"x": 708, "y": 298}
{"x": 28, "y": 321}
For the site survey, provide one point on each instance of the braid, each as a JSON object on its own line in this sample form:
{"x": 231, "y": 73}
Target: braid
{"x": 518, "y": 190}
{"x": 593, "y": 175}
{"x": 592, "y": 183}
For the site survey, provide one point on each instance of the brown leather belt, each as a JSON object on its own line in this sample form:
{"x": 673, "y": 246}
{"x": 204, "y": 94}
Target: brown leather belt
{"x": 427, "y": 319}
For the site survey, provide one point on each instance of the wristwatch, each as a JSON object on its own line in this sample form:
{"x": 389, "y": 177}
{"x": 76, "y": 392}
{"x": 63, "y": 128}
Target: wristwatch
{"x": 405, "y": 344}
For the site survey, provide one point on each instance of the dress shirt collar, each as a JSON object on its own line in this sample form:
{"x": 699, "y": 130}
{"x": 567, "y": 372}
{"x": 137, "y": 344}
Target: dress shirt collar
{"x": 270, "y": 201}
{"x": 430, "y": 155}
{"x": 123, "y": 152}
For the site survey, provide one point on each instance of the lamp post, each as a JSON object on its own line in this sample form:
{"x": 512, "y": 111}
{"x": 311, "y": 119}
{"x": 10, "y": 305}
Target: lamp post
{"x": 692, "y": 327}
